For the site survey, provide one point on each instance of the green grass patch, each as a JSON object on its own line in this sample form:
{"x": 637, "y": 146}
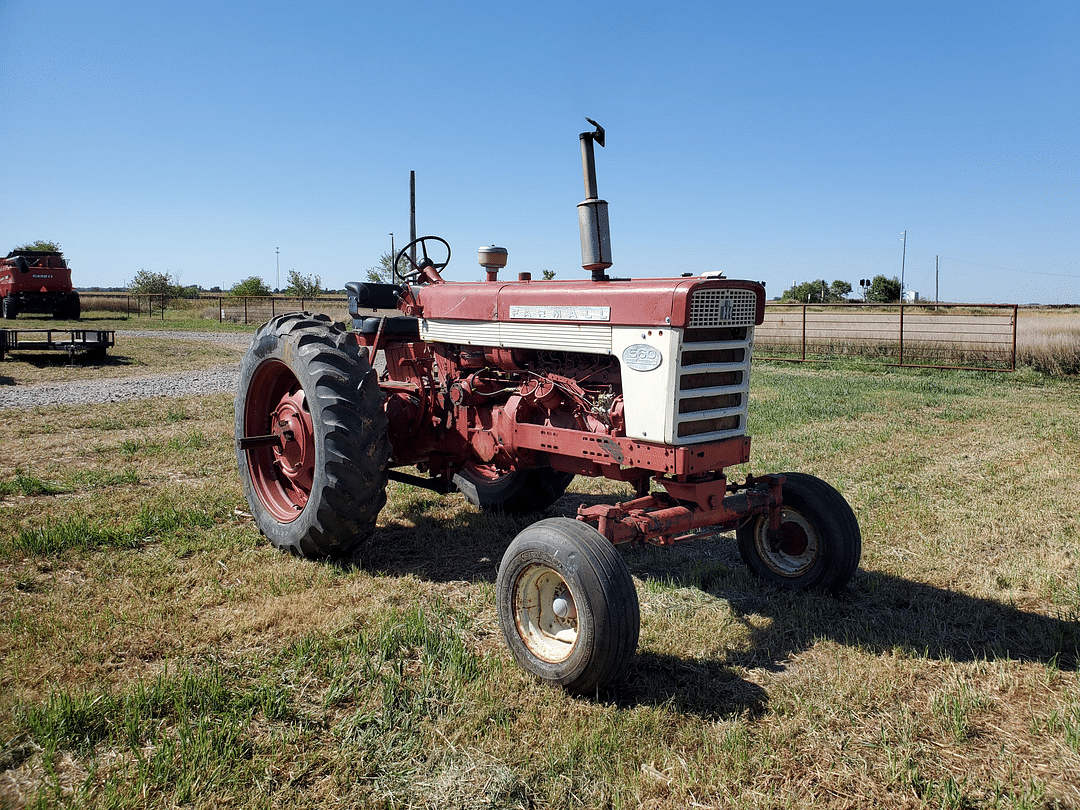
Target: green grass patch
{"x": 159, "y": 652}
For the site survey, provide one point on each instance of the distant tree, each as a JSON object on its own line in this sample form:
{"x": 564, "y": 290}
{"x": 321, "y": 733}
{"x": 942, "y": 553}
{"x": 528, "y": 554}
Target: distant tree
{"x": 301, "y": 286}
{"x": 381, "y": 273}
{"x": 252, "y": 285}
{"x": 884, "y": 290}
{"x": 40, "y": 244}
{"x": 548, "y": 274}
{"x": 817, "y": 292}
{"x": 839, "y": 290}
{"x": 190, "y": 291}
{"x": 147, "y": 282}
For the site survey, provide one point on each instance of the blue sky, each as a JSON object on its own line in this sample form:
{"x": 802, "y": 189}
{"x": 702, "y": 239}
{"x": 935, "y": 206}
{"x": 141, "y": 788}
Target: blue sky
{"x": 776, "y": 141}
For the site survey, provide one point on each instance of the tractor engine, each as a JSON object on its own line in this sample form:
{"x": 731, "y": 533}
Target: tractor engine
{"x": 506, "y": 373}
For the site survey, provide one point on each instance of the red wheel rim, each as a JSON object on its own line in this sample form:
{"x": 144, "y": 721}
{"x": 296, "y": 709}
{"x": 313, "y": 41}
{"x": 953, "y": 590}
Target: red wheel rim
{"x": 282, "y": 474}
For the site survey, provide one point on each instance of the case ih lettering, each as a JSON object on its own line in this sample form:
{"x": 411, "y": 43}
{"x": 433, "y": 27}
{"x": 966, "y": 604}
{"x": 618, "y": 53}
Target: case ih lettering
{"x": 505, "y": 390}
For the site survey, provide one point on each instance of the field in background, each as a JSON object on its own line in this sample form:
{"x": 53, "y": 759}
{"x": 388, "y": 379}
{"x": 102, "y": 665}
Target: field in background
{"x": 157, "y": 652}
{"x": 247, "y": 310}
{"x": 1047, "y": 339}
{"x": 951, "y": 336}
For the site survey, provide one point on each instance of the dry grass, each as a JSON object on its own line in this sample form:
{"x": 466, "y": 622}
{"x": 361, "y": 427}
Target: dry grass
{"x": 159, "y": 653}
{"x": 1049, "y": 340}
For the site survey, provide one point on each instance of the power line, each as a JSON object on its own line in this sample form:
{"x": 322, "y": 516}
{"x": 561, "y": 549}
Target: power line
{"x": 1010, "y": 269}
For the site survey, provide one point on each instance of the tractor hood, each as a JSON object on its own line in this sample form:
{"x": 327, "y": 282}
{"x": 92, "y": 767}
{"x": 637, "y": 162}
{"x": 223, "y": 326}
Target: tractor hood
{"x": 674, "y": 303}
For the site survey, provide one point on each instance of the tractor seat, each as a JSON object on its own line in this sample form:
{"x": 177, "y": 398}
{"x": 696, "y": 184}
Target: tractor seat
{"x": 403, "y": 327}
{"x": 367, "y": 298}
{"x": 368, "y": 295}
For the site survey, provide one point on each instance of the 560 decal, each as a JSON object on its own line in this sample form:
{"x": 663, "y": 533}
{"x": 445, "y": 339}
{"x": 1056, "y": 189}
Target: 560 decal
{"x": 642, "y": 357}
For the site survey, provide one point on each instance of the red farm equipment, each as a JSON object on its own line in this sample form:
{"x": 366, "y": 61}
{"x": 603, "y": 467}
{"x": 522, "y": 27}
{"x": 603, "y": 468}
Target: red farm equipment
{"x": 37, "y": 281}
{"x": 506, "y": 390}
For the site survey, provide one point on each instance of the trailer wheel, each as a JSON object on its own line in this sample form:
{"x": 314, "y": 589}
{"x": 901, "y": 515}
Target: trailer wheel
{"x": 820, "y": 544}
{"x": 311, "y": 437}
{"x": 515, "y": 492}
{"x": 10, "y": 308}
{"x": 567, "y": 605}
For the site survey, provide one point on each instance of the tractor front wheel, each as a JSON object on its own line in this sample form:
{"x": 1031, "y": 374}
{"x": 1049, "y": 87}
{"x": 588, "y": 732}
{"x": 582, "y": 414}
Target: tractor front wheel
{"x": 567, "y": 605}
{"x": 311, "y": 437}
{"x": 819, "y": 544}
{"x": 515, "y": 492}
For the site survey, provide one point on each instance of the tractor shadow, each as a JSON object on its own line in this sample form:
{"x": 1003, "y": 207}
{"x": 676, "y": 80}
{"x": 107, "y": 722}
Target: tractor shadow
{"x": 877, "y": 612}
{"x": 439, "y": 539}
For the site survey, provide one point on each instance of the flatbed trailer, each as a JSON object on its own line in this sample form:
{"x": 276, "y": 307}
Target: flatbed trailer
{"x": 93, "y": 342}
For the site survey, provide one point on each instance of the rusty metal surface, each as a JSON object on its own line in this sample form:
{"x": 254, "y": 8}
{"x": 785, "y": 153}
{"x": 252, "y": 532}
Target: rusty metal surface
{"x": 668, "y": 518}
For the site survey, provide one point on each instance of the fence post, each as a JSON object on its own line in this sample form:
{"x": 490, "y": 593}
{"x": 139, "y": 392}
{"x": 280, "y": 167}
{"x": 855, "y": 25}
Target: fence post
{"x": 901, "y": 333}
{"x": 220, "y": 310}
{"x": 803, "y": 355}
{"x": 162, "y": 307}
{"x": 245, "y": 310}
{"x": 1013, "y": 368}
{"x": 273, "y": 312}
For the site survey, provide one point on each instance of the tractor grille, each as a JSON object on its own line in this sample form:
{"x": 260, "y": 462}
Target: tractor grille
{"x": 713, "y": 381}
{"x": 722, "y": 307}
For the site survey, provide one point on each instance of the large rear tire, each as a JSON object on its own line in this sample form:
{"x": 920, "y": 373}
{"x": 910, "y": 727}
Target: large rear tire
{"x": 514, "y": 492}
{"x": 820, "y": 543}
{"x": 10, "y": 308}
{"x": 567, "y": 605}
{"x": 316, "y": 480}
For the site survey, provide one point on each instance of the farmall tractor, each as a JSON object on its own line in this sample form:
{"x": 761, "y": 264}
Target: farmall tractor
{"x": 506, "y": 390}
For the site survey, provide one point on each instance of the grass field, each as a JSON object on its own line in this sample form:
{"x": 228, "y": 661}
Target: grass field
{"x": 157, "y": 653}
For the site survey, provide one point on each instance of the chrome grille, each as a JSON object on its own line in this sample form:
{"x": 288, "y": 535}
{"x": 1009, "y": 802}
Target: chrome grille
{"x": 722, "y": 307}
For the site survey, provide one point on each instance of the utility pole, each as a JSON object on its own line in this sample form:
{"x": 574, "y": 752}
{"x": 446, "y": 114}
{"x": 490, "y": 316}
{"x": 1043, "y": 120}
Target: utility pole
{"x": 903, "y": 261}
{"x": 277, "y": 255}
{"x": 937, "y": 267}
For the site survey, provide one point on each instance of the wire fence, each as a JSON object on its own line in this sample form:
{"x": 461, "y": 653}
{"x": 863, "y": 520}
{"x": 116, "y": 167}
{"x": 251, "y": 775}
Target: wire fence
{"x": 957, "y": 336}
{"x": 222, "y": 308}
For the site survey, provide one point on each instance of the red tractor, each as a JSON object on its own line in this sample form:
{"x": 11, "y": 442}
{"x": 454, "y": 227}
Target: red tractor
{"x": 506, "y": 390}
{"x": 37, "y": 281}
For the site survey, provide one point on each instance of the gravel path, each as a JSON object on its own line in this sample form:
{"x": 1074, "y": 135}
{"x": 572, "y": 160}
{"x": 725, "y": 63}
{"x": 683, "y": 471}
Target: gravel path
{"x": 87, "y": 392}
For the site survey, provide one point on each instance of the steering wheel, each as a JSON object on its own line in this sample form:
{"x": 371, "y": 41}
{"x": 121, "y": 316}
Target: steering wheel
{"x": 418, "y": 268}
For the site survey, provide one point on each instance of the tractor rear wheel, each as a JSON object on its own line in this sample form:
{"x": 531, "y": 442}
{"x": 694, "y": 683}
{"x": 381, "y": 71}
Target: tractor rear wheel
{"x": 10, "y": 308}
{"x": 311, "y": 437}
{"x": 819, "y": 545}
{"x": 515, "y": 492}
{"x": 567, "y": 605}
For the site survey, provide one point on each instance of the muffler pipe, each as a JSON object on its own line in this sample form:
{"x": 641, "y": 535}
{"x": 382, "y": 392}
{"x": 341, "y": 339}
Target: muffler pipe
{"x": 593, "y": 213}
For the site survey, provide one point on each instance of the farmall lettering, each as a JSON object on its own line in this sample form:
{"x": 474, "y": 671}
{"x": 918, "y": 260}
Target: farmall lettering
{"x": 504, "y": 391}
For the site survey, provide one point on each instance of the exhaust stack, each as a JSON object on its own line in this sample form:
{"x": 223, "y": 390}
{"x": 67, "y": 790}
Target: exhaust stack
{"x": 592, "y": 213}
